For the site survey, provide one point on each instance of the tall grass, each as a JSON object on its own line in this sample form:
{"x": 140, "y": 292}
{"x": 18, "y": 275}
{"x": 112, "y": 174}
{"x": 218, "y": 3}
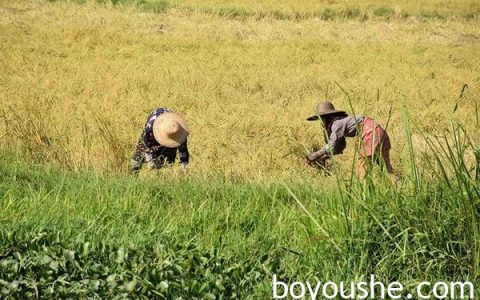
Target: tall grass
{"x": 70, "y": 234}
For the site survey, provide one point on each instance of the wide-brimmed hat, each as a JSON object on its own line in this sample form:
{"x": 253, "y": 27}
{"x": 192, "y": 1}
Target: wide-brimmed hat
{"x": 170, "y": 130}
{"x": 323, "y": 109}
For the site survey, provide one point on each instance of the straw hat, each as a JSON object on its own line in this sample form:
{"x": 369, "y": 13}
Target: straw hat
{"x": 323, "y": 109}
{"x": 170, "y": 130}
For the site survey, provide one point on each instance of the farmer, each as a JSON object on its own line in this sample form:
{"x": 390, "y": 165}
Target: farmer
{"x": 164, "y": 133}
{"x": 339, "y": 125}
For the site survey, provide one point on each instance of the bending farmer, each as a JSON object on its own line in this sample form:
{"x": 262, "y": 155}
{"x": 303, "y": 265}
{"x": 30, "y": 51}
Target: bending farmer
{"x": 338, "y": 124}
{"x": 164, "y": 133}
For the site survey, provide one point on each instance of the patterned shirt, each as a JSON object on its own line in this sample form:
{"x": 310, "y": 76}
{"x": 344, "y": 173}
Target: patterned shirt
{"x": 149, "y": 149}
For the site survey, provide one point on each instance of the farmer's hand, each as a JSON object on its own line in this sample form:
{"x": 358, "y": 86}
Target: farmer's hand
{"x": 317, "y": 163}
{"x": 317, "y": 159}
{"x": 312, "y": 156}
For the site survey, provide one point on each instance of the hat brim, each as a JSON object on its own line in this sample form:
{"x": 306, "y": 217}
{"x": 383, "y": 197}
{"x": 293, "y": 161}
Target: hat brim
{"x": 313, "y": 118}
{"x": 169, "y": 142}
{"x": 318, "y": 115}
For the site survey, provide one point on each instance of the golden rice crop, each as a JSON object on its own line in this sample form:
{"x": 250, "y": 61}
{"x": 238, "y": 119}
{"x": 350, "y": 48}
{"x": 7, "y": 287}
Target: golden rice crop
{"x": 78, "y": 81}
{"x": 301, "y": 9}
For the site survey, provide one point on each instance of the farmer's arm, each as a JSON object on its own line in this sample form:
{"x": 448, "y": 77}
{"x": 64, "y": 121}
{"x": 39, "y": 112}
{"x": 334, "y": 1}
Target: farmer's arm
{"x": 184, "y": 155}
{"x": 336, "y": 143}
{"x": 146, "y": 138}
{"x": 330, "y": 149}
{"x": 138, "y": 158}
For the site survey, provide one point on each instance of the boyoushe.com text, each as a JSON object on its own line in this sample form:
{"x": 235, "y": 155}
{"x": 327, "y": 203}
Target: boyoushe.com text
{"x": 371, "y": 289}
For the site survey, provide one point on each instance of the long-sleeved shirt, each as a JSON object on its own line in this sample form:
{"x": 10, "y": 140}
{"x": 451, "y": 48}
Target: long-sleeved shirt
{"x": 341, "y": 128}
{"x": 148, "y": 146}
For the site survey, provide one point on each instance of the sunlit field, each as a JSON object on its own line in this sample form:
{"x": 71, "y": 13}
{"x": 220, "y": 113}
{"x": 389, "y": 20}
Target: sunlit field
{"x": 78, "y": 79}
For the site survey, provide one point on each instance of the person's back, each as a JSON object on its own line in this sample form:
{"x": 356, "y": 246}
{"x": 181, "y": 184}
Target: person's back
{"x": 340, "y": 127}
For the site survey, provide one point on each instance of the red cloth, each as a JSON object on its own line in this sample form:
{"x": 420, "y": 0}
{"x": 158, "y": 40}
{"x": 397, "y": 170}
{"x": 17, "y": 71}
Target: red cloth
{"x": 375, "y": 139}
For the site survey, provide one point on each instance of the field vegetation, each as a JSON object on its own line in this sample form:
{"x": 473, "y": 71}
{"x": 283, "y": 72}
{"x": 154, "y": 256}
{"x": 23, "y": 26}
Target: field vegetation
{"x": 78, "y": 79}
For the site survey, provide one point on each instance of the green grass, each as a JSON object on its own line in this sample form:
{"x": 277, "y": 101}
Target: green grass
{"x": 74, "y": 234}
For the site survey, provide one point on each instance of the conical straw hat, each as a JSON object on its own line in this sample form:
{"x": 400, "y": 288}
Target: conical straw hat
{"x": 323, "y": 109}
{"x": 170, "y": 130}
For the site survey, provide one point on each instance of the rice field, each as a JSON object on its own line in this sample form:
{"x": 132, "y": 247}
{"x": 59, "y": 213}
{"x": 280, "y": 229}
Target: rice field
{"x": 78, "y": 79}
{"x": 88, "y": 76}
